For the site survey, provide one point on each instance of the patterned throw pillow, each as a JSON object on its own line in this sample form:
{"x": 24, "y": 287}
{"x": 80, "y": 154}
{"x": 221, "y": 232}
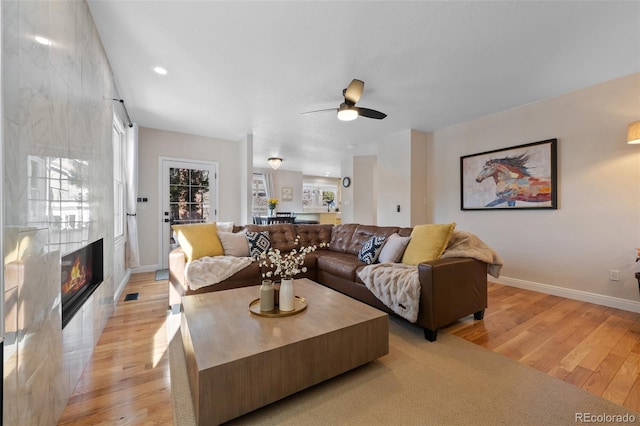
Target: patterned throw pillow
{"x": 371, "y": 250}
{"x": 259, "y": 243}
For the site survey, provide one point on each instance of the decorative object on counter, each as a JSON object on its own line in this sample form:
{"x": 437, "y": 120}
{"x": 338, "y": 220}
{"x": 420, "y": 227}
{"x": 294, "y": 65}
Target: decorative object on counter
{"x": 286, "y": 295}
{"x": 272, "y": 203}
{"x": 275, "y": 162}
{"x": 266, "y": 296}
{"x": 299, "y": 303}
{"x": 286, "y": 266}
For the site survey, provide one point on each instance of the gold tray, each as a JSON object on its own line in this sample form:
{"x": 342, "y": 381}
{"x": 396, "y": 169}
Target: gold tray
{"x": 299, "y": 305}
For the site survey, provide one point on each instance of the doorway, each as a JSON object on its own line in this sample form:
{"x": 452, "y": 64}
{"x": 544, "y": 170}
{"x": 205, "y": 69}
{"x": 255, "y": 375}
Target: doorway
{"x": 189, "y": 192}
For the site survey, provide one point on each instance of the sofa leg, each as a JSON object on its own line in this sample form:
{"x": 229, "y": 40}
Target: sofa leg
{"x": 430, "y": 335}
{"x": 478, "y": 315}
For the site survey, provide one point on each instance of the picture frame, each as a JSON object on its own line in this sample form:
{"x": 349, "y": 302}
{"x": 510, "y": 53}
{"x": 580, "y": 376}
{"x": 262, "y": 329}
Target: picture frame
{"x": 521, "y": 177}
{"x": 287, "y": 193}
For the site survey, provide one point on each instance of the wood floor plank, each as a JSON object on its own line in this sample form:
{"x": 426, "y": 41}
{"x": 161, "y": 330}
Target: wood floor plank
{"x": 622, "y": 383}
{"x": 584, "y": 333}
{"x": 127, "y": 381}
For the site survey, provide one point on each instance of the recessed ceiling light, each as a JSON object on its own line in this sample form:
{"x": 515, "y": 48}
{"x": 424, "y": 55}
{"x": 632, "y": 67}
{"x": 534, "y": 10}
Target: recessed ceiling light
{"x": 43, "y": 40}
{"x": 160, "y": 70}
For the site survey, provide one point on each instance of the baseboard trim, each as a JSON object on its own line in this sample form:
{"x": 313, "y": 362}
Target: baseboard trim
{"x": 583, "y": 296}
{"x": 145, "y": 268}
{"x": 121, "y": 286}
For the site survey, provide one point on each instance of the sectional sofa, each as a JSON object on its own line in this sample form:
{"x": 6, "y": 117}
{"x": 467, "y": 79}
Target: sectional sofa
{"x": 450, "y": 288}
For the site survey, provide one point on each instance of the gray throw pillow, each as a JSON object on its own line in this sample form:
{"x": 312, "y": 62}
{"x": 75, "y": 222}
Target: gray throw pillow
{"x": 393, "y": 248}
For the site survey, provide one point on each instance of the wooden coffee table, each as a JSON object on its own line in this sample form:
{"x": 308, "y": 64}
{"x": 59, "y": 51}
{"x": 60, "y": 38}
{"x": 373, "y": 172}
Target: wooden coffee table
{"x": 238, "y": 361}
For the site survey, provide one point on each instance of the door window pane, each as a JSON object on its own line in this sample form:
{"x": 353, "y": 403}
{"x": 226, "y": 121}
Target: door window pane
{"x": 188, "y": 195}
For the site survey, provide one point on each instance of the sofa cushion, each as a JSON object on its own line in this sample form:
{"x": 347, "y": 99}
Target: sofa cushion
{"x": 313, "y": 235}
{"x": 198, "y": 240}
{"x": 234, "y": 244}
{"x": 341, "y": 237}
{"x": 393, "y": 248}
{"x": 281, "y": 235}
{"x": 342, "y": 265}
{"x": 363, "y": 233}
{"x": 225, "y": 226}
{"x": 428, "y": 242}
{"x": 258, "y": 243}
{"x": 371, "y": 249}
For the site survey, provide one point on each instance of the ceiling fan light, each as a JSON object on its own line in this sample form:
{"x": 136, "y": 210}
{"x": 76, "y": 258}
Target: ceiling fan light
{"x": 347, "y": 113}
{"x": 275, "y": 162}
{"x": 633, "y": 133}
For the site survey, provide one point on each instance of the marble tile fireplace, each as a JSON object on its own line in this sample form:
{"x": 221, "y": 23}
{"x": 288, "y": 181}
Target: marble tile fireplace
{"x": 81, "y": 274}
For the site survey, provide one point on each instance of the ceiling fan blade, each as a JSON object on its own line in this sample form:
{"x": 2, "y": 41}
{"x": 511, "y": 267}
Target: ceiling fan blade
{"x": 371, "y": 113}
{"x": 320, "y": 110}
{"x": 353, "y": 92}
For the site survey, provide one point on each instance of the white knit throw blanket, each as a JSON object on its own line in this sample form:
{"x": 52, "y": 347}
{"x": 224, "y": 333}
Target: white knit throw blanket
{"x": 212, "y": 270}
{"x": 466, "y": 244}
{"x": 396, "y": 285}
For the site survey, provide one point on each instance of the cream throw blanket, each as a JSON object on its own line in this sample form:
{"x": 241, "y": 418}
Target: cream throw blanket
{"x": 211, "y": 270}
{"x": 396, "y": 285}
{"x": 466, "y": 244}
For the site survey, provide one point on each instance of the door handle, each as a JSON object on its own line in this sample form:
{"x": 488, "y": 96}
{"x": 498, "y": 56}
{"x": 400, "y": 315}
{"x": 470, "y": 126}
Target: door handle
{"x": 166, "y": 220}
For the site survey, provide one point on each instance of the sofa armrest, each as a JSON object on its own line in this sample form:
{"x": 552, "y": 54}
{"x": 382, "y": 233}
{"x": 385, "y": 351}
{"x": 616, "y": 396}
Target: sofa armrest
{"x": 452, "y": 288}
{"x": 177, "y": 284}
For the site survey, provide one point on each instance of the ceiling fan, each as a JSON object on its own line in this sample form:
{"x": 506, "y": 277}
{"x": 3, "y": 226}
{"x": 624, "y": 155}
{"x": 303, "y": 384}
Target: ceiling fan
{"x": 348, "y": 110}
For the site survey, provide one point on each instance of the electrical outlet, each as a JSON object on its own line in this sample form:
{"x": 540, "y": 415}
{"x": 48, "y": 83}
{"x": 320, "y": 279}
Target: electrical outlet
{"x": 614, "y": 275}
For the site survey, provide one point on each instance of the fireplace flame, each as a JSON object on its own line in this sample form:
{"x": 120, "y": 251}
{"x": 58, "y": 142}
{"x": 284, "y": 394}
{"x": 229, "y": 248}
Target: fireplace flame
{"x": 77, "y": 277}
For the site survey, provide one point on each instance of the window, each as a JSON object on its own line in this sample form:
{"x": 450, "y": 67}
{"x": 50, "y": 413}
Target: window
{"x": 259, "y": 190}
{"x": 320, "y": 192}
{"x": 118, "y": 139}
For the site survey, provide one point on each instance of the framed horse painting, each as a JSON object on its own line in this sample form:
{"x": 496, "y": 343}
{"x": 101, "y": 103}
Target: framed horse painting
{"x": 520, "y": 177}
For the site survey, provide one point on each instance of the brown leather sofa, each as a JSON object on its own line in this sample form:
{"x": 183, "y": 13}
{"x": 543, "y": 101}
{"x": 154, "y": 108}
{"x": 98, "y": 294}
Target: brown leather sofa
{"x": 451, "y": 288}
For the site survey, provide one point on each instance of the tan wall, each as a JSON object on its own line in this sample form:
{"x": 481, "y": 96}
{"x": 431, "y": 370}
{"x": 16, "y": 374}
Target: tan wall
{"x": 597, "y": 224}
{"x": 153, "y": 144}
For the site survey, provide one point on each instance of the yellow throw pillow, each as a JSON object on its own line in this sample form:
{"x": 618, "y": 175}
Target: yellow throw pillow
{"x": 198, "y": 240}
{"x": 427, "y": 242}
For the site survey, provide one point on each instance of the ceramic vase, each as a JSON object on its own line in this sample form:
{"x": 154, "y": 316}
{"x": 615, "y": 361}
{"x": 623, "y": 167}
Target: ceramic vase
{"x": 286, "y": 295}
{"x": 266, "y": 296}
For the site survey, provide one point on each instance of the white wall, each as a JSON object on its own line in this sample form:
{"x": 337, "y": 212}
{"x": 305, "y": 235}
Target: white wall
{"x": 285, "y": 178}
{"x": 597, "y": 224}
{"x": 346, "y": 207}
{"x": 420, "y": 152}
{"x": 402, "y": 178}
{"x": 365, "y": 190}
{"x": 154, "y": 143}
{"x": 53, "y": 106}
{"x": 394, "y": 180}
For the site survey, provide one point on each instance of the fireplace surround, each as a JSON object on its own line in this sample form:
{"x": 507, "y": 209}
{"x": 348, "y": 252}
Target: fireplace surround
{"x": 81, "y": 274}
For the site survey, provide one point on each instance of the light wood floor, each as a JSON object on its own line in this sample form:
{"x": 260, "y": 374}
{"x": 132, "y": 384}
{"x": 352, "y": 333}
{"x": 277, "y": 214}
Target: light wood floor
{"x": 593, "y": 347}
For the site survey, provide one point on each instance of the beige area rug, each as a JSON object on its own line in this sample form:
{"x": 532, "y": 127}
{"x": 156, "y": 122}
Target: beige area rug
{"x": 448, "y": 382}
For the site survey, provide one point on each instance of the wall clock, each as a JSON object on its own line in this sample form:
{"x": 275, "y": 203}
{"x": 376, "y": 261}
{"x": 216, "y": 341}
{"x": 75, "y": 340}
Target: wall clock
{"x": 346, "y": 181}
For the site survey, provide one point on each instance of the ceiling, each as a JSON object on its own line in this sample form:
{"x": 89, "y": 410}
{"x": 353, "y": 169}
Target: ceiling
{"x": 239, "y": 67}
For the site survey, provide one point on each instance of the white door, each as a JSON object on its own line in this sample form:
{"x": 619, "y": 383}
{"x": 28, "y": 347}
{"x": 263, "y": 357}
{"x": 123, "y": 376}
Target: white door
{"x": 189, "y": 195}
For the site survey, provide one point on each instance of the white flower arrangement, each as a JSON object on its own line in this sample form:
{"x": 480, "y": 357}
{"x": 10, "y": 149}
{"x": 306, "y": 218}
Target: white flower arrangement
{"x": 285, "y": 265}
